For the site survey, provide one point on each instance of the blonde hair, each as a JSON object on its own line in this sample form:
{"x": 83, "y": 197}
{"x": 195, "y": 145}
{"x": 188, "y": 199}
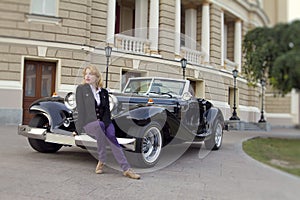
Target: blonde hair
{"x": 95, "y": 72}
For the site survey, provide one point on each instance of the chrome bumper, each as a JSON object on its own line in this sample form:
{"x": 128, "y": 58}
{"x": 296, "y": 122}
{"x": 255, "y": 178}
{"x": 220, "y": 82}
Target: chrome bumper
{"x": 70, "y": 139}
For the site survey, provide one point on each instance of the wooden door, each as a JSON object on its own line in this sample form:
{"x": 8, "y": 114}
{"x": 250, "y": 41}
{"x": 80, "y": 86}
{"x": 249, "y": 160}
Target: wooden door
{"x": 39, "y": 82}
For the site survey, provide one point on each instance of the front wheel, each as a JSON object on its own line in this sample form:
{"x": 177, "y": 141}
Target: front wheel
{"x": 41, "y": 145}
{"x": 216, "y": 138}
{"x": 148, "y": 145}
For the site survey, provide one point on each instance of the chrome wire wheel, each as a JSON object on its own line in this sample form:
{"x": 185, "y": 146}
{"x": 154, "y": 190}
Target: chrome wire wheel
{"x": 152, "y": 144}
{"x": 218, "y": 135}
{"x": 214, "y": 142}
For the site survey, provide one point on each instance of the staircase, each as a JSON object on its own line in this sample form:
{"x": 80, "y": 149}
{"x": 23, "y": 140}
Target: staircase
{"x": 247, "y": 126}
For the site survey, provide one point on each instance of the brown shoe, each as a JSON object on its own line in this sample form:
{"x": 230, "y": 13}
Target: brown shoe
{"x": 131, "y": 174}
{"x": 99, "y": 168}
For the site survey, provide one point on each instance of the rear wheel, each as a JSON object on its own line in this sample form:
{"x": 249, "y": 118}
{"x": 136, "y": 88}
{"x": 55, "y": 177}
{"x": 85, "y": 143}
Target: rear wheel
{"x": 215, "y": 140}
{"x": 41, "y": 145}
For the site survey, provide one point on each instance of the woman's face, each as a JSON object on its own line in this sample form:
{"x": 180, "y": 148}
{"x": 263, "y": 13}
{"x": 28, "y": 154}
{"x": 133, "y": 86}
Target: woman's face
{"x": 89, "y": 77}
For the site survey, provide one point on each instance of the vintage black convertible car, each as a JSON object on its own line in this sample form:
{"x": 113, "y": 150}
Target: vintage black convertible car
{"x": 148, "y": 114}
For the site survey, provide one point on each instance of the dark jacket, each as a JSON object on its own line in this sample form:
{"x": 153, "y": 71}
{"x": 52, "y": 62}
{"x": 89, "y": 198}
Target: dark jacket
{"x": 86, "y": 106}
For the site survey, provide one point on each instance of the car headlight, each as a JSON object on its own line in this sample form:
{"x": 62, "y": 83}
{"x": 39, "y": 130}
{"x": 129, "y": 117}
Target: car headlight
{"x": 113, "y": 102}
{"x": 70, "y": 101}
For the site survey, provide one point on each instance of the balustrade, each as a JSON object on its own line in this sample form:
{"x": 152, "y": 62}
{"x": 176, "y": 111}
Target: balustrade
{"x": 132, "y": 44}
{"x": 192, "y": 56}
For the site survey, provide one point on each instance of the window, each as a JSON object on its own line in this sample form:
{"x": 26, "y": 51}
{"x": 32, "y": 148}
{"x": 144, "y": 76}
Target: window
{"x": 229, "y": 39}
{"x": 126, "y": 75}
{"x": 44, "y": 7}
{"x": 231, "y": 42}
{"x": 197, "y": 88}
{"x": 125, "y": 17}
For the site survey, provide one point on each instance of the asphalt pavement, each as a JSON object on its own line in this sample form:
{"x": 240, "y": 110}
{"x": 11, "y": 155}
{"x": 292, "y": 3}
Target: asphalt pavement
{"x": 69, "y": 174}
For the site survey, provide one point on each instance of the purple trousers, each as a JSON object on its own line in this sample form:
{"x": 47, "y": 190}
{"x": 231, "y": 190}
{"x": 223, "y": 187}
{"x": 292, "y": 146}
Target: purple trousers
{"x": 105, "y": 135}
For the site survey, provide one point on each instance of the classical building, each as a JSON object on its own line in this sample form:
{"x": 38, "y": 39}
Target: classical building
{"x": 282, "y": 111}
{"x": 44, "y": 44}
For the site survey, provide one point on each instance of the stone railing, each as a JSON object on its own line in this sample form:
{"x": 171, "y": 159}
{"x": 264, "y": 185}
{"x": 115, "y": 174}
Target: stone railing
{"x": 132, "y": 44}
{"x": 192, "y": 56}
{"x": 230, "y": 65}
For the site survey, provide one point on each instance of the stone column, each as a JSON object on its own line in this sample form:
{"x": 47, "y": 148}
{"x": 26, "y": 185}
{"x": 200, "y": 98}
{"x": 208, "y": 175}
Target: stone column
{"x": 141, "y": 19}
{"x": 238, "y": 44}
{"x": 153, "y": 26}
{"x": 222, "y": 39}
{"x": 177, "y": 28}
{"x": 110, "y": 22}
{"x": 191, "y": 28}
{"x": 205, "y": 35}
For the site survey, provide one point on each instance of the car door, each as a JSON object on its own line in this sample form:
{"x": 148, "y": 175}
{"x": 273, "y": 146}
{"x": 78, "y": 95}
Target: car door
{"x": 190, "y": 114}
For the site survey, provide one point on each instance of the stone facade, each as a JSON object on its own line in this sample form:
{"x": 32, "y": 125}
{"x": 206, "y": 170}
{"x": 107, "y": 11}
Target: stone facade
{"x": 78, "y": 34}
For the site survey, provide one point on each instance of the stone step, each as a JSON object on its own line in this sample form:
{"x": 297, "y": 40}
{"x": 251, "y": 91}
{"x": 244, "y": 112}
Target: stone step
{"x": 247, "y": 126}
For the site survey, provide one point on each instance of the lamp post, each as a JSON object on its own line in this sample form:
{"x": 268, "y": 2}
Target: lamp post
{"x": 183, "y": 66}
{"x": 234, "y": 114}
{"x": 263, "y": 84}
{"x": 108, "y": 50}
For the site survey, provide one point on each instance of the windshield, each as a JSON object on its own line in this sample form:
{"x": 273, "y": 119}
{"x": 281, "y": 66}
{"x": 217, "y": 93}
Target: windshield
{"x": 167, "y": 86}
{"x": 158, "y": 86}
{"x": 138, "y": 86}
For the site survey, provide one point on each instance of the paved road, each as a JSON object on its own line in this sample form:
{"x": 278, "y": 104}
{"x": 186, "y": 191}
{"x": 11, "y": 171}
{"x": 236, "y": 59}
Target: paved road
{"x": 69, "y": 174}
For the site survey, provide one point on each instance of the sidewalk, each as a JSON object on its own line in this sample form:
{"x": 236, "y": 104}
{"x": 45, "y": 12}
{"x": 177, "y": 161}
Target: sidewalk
{"x": 227, "y": 174}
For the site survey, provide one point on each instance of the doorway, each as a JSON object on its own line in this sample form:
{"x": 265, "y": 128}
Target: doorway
{"x": 39, "y": 82}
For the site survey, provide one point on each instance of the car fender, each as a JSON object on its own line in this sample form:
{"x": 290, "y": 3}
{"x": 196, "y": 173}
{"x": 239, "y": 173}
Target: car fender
{"x": 212, "y": 115}
{"x": 55, "y": 111}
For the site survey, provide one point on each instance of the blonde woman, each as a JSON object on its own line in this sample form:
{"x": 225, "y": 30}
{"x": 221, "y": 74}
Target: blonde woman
{"x": 94, "y": 118}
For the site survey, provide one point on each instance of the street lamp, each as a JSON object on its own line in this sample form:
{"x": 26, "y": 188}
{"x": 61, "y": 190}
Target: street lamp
{"x": 234, "y": 114}
{"x": 108, "y": 50}
{"x": 263, "y": 84}
{"x": 183, "y": 66}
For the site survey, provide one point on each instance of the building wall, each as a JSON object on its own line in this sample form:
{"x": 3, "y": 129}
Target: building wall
{"x": 215, "y": 36}
{"x": 78, "y": 36}
{"x": 277, "y": 10}
{"x": 166, "y": 25}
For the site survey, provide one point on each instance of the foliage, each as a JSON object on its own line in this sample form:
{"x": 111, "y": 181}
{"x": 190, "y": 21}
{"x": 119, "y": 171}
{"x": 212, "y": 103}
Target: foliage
{"x": 286, "y": 72}
{"x": 272, "y": 53}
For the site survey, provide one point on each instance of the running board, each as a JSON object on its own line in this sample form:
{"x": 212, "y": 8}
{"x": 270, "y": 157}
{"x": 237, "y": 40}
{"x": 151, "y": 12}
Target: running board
{"x": 64, "y": 139}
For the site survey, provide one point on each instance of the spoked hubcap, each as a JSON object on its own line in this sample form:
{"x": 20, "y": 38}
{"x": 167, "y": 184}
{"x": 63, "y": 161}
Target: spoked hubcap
{"x": 218, "y": 135}
{"x": 152, "y": 144}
